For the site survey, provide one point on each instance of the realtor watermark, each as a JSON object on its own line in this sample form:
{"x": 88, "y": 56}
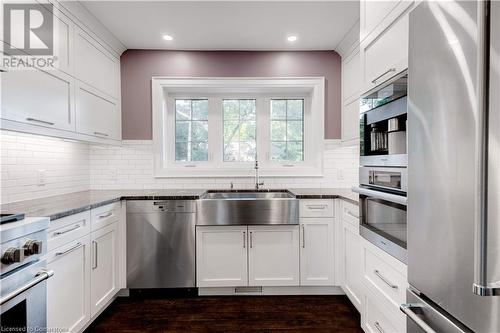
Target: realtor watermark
{"x": 28, "y": 36}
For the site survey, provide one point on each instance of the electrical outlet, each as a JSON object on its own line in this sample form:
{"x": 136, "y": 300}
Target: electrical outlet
{"x": 41, "y": 177}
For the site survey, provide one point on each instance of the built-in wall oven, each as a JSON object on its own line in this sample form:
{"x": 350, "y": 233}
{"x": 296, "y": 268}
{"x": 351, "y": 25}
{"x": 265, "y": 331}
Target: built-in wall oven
{"x": 383, "y": 166}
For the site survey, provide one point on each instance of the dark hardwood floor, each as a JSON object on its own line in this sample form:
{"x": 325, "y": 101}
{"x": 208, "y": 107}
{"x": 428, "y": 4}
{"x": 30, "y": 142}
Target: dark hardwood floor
{"x": 229, "y": 314}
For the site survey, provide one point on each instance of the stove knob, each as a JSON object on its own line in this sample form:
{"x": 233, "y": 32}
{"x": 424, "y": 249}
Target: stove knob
{"x": 32, "y": 247}
{"x": 12, "y": 255}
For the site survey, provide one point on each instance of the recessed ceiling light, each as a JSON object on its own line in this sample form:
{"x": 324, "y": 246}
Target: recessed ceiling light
{"x": 168, "y": 37}
{"x": 292, "y": 38}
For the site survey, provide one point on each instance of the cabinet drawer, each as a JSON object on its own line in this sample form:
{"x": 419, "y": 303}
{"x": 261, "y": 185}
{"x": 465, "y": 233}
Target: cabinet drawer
{"x": 104, "y": 215}
{"x": 316, "y": 208}
{"x": 388, "y": 280}
{"x": 385, "y": 56}
{"x": 380, "y": 317}
{"x": 349, "y": 212}
{"x": 67, "y": 229}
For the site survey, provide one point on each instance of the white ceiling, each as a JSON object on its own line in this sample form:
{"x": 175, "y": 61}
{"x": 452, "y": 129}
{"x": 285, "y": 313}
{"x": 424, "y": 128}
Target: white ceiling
{"x": 227, "y": 25}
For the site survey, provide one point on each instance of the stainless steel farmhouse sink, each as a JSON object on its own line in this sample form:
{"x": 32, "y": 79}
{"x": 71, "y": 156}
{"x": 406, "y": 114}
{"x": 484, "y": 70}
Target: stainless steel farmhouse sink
{"x": 247, "y": 208}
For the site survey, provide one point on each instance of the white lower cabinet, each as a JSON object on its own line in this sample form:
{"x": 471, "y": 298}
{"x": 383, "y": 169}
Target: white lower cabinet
{"x": 352, "y": 259}
{"x": 68, "y": 290}
{"x": 273, "y": 256}
{"x": 236, "y": 256}
{"x": 104, "y": 267}
{"x": 317, "y": 252}
{"x": 221, "y": 256}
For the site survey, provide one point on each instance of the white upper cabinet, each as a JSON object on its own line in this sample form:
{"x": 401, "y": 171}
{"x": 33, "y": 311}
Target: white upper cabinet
{"x": 221, "y": 256}
{"x": 96, "y": 114}
{"x": 386, "y": 55}
{"x": 273, "y": 255}
{"x": 38, "y": 98}
{"x": 63, "y": 43}
{"x": 379, "y": 14}
{"x": 317, "y": 252}
{"x": 94, "y": 65}
{"x": 350, "y": 121}
{"x": 351, "y": 78}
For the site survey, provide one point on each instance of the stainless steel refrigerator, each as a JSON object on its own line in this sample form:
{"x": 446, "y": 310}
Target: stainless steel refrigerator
{"x": 454, "y": 167}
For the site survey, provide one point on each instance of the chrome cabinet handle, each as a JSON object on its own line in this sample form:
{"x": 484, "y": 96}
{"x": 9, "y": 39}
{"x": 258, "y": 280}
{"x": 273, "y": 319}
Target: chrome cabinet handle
{"x": 105, "y": 215}
{"x": 39, "y": 277}
{"x": 378, "y": 327}
{"x": 408, "y": 310}
{"x": 244, "y": 239}
{"x": 101, "y": 134}
{"x": 251, "y": 240}
{"x": 481, "y": 286}
{"x": 59, "y": 233}
{"x": 316, "y": 206}
{"x": 40, "y": 121}
{"x": 387, "y": 282}
{"x": 303, "y": 236}
{"x": 348, "y": 212}
{"x": 383, "y": 74}
{"x": 94, "y": 258}
{"x": 399, "y": 199}
{"x": 69, "y": 250}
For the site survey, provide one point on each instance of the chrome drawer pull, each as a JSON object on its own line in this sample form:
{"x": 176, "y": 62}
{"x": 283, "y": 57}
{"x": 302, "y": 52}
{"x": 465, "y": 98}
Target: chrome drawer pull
{"x": 251, "y": 240}
{"x": 244, "y": 239}
{"x": 316, "y": 206}
{"x": 101, "y": 134}
{"x": 378, "y": 327}
{"x": 94, "y": 258}
{"x": 105, "y": 215}
{"x": 59, "y": 233}
{"x": 387, "y": 282}
{"x": 384, "y": 73}
{"x": 69, "y": 250}
{"x": 348, "y": 212}
{"x": 40, "y": 121}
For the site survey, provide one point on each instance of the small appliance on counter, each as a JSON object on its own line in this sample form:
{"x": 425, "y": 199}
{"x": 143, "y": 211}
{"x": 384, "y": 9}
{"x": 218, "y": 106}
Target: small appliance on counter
{"x": 383, "y": 166}
{"x": 23, "y": 274}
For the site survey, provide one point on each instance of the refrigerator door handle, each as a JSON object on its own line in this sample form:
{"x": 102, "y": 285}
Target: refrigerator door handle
{"x": 408, "y": 310}
{"x": 481, "y": 285}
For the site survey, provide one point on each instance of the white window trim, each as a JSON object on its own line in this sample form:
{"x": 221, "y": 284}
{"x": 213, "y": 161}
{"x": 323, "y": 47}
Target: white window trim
{"x": 163, "y": 87}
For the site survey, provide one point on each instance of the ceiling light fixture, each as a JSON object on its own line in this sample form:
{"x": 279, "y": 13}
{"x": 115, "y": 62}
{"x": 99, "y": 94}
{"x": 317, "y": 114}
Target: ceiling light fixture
{"x": 168, "y": 37}
{"x": 292, "y": 38}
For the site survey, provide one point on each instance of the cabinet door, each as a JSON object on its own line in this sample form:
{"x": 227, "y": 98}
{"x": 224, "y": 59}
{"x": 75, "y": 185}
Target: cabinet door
{"x": 221, "y": 256}
{"x": 350, "y": 121}
{"x": 94, "y": 65}
{"x": 43, "y": 98}
{"x": 68, "y": 291}
{"x": 351, "y": 78}
{"x": 353, "y": 263}
{"x": 103, "y": 267}
{"x": 273, "y": 255}
{"x": 317, "y": 252}
{"x": 63, "y": 44}
{"x": 97, "y": 115}
{"x": 386, "y": 55}
{"x": 375, "y": 15}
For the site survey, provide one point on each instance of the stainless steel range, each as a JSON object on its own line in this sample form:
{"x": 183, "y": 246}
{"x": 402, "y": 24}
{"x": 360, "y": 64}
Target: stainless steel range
{"x": 23, "y": 294}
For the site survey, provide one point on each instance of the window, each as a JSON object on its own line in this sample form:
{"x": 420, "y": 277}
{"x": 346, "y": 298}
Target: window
{"x": 239, "y": 129}
{"x": 218, "y": 127}
{"x": 191, "y": 129}
{"x": 287, "y": 129}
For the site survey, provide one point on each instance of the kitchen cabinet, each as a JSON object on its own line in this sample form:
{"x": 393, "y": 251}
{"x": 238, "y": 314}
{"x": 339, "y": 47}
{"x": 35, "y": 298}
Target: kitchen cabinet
{"x": 221, "y": 256}
{"x": 97, "y": 115}
{"x": 350, "y": 121}
{"x": 63, "y": 44}
{"x": 68, "y": 290}
{"x": 317, "y": 252}
{"x": 39, "y": 98}
{"x": 95, "y": 66}
{"x": 351, "y": 78}
{"x": 386, "y": 55}
{"x": 104, "y": 267}
{"x": 352, "y": 262}
{"x": 273, "y": 255}
{"x": 377, "y": 15}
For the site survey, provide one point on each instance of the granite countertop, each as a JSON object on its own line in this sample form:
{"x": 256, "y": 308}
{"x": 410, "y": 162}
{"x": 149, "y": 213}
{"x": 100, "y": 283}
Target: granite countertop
{"x": 60, "y": 206}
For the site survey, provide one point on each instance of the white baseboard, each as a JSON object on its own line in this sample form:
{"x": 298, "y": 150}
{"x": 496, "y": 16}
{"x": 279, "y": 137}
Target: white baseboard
{"x": 227, "y": 291}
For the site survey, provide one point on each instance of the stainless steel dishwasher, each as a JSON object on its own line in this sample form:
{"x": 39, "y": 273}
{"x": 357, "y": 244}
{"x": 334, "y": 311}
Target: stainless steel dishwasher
{"x": 161, "y": 244}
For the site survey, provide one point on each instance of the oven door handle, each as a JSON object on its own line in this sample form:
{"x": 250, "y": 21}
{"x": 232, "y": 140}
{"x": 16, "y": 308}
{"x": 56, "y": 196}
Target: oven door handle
{"x": 399, "y": 199}
{"x": 39, "y": 277}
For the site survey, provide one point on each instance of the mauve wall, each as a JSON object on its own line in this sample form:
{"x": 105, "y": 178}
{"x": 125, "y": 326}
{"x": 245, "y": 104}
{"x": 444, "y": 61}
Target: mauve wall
{"x": 138, "y": 66}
